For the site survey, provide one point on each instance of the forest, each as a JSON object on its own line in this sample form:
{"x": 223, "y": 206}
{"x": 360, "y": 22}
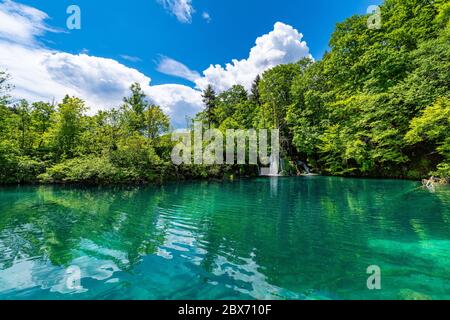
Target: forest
{"x": 376, "y": 105}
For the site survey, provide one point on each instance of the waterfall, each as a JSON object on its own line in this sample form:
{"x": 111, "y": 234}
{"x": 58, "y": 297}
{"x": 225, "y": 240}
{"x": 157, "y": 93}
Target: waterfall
{"x": 305, "y": 167}
{"x": 274, "y": 168}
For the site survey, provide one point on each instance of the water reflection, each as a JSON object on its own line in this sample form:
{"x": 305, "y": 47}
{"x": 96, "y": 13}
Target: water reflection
{"x": 286, "y": 238}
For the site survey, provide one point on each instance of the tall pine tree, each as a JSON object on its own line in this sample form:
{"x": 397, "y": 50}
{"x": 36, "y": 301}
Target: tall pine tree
{"x": 209, "y": 99}
{"x": 254, "y": 95}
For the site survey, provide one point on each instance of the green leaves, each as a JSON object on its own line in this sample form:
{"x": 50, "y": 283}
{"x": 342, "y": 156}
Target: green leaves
{"x": 209, "y": 99}
{"x": 351, "y": 110}
{"x": 433, "y": 124}
{"x": 69, "y": 126}
{"x": 64, "y": 145}
{"x": 156, "y": 122}
{"x": 377, "y": 104}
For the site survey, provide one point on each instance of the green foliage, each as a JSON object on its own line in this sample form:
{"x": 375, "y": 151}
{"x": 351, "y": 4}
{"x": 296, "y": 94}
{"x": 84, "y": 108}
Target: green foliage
{"x": 275, "y": 91}
{"x": 443, "y": 170}
{"x": 64, "y": 145}
{"x": 156, "y": 122}
{"x": 15, "y": 169}
{"x": 134, "y": 151}
{"x": 234, "y": 109}
{"x": 255, "y": 96}
{"x": 209, "y": 99}
{"x": 134, "y": 107}
{"x": 433, "y": 123}
{"x": 42, "y": 115}
{"x": 376, "y": 105}
{"x": 69, "y": 126}
{"x": 5, "y": 87}
{"x": 85, "y": 170}
{"x": 432, "y": 126}
{"x": 8, "y": 162}
{"x": 350, "y": 110}
{"x": 22, "y": 111}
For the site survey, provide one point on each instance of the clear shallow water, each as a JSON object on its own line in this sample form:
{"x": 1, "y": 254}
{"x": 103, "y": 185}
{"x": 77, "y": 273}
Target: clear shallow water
{"x": 279, "y": 238}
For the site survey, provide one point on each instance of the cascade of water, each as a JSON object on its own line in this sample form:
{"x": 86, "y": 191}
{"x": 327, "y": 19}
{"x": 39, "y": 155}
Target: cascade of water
{"x": 305, "y": 167}
{"x": 274, "y": 168}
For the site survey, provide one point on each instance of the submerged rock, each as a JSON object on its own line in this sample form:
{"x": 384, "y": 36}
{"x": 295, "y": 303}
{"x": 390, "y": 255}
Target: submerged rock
{"x": 407, "y": 294}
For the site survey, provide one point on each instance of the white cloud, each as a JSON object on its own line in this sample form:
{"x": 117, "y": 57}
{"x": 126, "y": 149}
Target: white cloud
{"x": 130, "y": 58}
{"x": 175, "y": 68}
{"x": 39, "y": 73}
{"x": 42, "y": 74}
{"x": 177, "y": 101}
{"x": 20, "y": 23}
{"x": 103, "y": 81}
{"x": 206, "y": 16}
{"x": 282, "y": 45}
{"x": 181, "y": 9}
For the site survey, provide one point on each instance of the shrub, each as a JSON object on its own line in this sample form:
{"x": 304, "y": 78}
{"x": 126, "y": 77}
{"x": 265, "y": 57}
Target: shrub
{"x": 87, "y": 170}
{"x": 18, "y": 169}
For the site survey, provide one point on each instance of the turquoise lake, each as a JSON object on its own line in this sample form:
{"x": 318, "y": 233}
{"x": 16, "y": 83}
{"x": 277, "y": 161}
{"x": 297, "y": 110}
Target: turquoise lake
{"x": 274, "y": 238}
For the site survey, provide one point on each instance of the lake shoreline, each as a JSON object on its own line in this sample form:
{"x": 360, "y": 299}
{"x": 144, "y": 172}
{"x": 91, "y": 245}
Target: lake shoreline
{"x": 169, "y": 181}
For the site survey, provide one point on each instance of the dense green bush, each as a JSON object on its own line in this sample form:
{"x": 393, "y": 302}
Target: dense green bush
{"x": 87, "y": 170}
{"x": 93, "y": 170}
{"x": 15, "y": 168}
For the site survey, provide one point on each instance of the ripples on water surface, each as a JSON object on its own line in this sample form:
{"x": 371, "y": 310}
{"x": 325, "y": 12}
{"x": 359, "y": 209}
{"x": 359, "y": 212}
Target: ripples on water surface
{"x": 280, "y": 238}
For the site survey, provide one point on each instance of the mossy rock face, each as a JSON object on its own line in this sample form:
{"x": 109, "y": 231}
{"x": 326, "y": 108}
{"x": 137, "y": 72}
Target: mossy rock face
{"x": 407, "y": 294}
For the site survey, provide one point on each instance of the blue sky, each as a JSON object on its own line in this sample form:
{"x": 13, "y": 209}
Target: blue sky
{"x": 181, "y": 37}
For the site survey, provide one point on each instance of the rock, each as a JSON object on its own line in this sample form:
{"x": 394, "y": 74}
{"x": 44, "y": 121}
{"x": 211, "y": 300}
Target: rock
{"x": 407, "y": 294}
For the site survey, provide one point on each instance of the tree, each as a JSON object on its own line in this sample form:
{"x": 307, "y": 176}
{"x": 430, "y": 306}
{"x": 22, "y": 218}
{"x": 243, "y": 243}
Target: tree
{"x": 156, "y": 122}
{"x": 443, "y": 18}
{"x": 429, "y": 75}
{"x": 135, "y": 106}
{"x": 255, "y": 97}
{"x": 376, "y": 105}
{"x": 349, "y": 109}
{"x": 432, "y": 126}
{"x": 115, "y": 125}
{"x": 305, "y": 115}
{"x": 24, "y": 125}
{"x": 275, "y": 90}
{"x": 5, "y": 87}
{"x": 42, "y": 119}
{"x": 209, "y": 100}
{"x": 227, "y": 103}
{"x": 69, "y": 126}
{"x": 5, "y": 112}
